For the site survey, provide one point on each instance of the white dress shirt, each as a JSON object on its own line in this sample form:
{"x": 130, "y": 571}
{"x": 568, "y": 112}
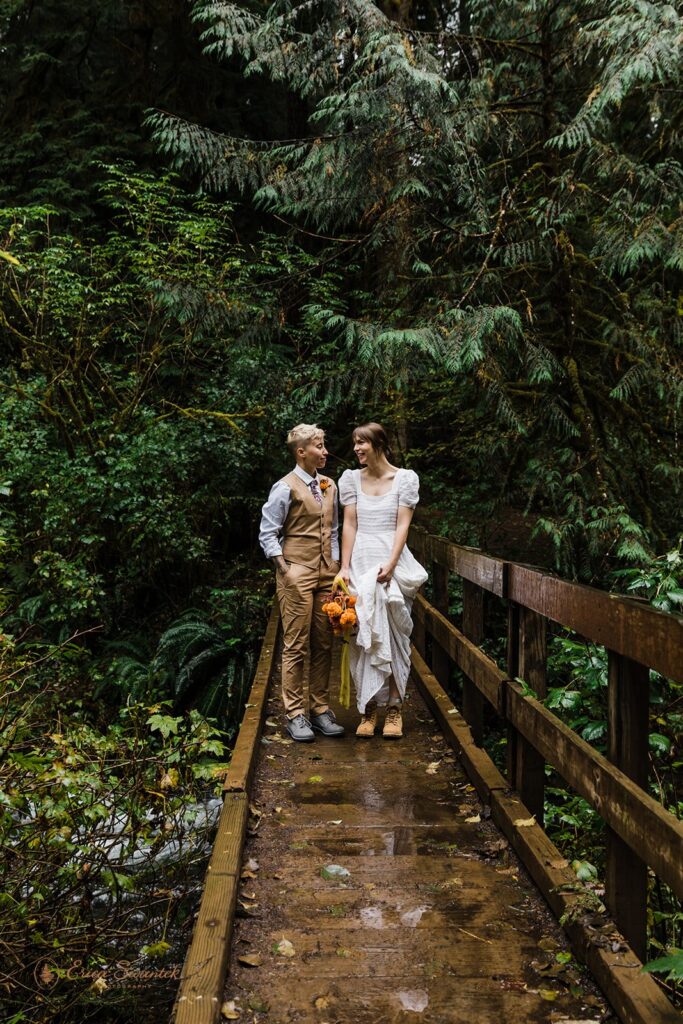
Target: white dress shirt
{"x": 274, "y": 513}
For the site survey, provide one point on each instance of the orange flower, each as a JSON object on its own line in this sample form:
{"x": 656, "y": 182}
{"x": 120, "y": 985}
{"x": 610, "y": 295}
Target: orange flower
{"x": 351, "y": 600}
{"x": 324, "y": 484}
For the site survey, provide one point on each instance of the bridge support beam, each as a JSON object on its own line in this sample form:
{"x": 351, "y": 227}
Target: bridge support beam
{"x": 628, "y": 727}
{"x": 473, "y": 628}
{"x": 441, "y": 664}
{"x": 527, "y": 656}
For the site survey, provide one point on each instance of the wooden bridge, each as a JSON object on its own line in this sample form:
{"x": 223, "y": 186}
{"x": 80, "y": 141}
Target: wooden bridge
{"x": 412, "y": 880}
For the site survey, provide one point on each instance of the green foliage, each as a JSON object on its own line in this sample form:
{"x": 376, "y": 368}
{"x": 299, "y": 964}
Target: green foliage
{"x": 671, "y": 966}
{"x": 509, "y": 196}
{"x": 133, "y": 395}
{"x": 660, "y": 581}
{"x": 100, "y": 826}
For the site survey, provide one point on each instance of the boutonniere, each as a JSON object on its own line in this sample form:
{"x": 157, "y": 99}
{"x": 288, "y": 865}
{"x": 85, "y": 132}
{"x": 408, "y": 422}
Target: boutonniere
{"x": 324, "y": 484}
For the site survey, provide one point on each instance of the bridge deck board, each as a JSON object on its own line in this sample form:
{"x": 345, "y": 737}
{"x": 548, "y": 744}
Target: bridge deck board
{"x": 436, "y": 921}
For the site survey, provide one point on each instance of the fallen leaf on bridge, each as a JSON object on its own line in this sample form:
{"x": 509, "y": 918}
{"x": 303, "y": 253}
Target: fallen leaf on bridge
{"x": 433, "y": 768}
{"x": 229, "y": 1010}
{"x": 247, "y": 908}
{"x": 284, "y": 948}
{"x": 525, "y": 822}
{"x": 251, "y": 959}
{"x": 473, "y": 936}
{"x": 474, "y": 820}
{"x": 277, "y": 738}
{"x": 332, "y": 871}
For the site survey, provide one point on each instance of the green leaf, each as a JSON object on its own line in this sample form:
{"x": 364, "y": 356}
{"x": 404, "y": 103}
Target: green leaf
{"x": 4, "y": 255}
{"x": 660, "y": 744}
{"x": 672, "y": 966}
{"x": 165, "y": 724}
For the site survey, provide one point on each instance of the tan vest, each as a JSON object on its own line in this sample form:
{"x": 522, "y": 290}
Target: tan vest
{"x": 307, "y": 532}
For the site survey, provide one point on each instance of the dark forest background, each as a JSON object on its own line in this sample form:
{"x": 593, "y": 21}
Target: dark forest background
{"x": 216, "y": 220}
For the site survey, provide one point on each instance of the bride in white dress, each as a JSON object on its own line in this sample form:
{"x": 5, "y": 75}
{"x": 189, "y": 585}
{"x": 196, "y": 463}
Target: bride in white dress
{"x": 379, "y": 500}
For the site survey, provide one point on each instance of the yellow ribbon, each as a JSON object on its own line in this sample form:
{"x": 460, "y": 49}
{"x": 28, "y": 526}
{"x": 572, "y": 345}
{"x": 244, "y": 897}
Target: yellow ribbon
{"x": 345, "y": 671}
{"x": 345, "y": 674}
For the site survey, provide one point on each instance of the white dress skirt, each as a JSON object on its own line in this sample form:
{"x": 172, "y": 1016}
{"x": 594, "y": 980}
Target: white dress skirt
{"x": 381, "y": 647}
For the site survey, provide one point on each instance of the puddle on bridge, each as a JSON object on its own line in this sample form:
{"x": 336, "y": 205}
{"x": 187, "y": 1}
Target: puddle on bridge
{"x": 435, "y": 920}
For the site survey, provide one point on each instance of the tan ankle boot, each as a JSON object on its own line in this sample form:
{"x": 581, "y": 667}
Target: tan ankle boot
{"x": 368, "y": 722}
{"x": 393, "y": 724}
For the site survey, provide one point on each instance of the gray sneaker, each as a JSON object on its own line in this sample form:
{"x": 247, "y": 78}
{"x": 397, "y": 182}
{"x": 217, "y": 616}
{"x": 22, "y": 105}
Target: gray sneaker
{"x": 299, "y": 728}
{"x": 327, "y": 724}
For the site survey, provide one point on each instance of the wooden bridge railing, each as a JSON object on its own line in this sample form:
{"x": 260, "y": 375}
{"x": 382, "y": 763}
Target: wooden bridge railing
{"x": 641, "y": 833}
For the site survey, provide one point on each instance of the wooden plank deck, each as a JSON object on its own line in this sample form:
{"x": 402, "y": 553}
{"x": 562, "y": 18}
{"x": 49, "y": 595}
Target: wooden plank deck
{"x": 436, "y": 920}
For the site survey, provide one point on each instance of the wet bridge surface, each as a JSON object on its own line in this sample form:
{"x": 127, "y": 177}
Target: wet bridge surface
{"x": 375, "y": 888}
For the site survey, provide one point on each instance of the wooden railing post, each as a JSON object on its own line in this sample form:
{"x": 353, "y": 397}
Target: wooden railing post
{"x": 529, "y": 777}
{"x": 473, "y": 628}
{"x": 628, "y": 727}
{"x": 513, "y": 672}
{"x": 440, "y": 659}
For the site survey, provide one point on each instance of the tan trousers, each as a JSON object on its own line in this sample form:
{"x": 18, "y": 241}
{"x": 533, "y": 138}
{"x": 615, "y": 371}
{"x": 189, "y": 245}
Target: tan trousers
{"x": 306, "y": 630}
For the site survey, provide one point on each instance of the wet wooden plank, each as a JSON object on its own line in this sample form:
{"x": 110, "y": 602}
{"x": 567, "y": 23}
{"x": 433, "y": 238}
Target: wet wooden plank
{"x": 632, "y": 813}
{"x": 243, "y": 759}
{"x": 635, "y": 996}
{"x": 381, "y": 840}
{"x": 483, "y": 672}
{"x": 440, "y": 912}
{"x": 470, "y": 563}
{"x": 636, "y": 630}
{"x": 444, "y": 1000}
{"x": 227, "y": 846}
{"x": 477, "y": 763}
{"x": 377, "y": 951}
{"x": 204, "y": 971}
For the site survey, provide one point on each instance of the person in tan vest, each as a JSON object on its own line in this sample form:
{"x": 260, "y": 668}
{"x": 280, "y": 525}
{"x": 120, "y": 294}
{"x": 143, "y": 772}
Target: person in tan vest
{"x": 300, "y": 533}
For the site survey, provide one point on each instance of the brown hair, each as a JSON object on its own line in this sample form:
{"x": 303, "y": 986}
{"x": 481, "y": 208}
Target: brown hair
{"x": 376, "y": 435}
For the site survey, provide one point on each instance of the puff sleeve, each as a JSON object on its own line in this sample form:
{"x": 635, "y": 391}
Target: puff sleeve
{"x": 347, "y": 488}
{"x": 409, "y": 488}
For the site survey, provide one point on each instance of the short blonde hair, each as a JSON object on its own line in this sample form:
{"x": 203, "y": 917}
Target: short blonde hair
{"x": 302, "y": 434}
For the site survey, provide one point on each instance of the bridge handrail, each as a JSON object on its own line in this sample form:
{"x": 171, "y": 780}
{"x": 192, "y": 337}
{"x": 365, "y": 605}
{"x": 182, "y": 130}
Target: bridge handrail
{"x": 641, "y": 833}
{"x": 624, "y": 625}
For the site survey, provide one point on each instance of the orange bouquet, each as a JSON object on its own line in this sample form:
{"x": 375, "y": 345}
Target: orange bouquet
{"x": 340, "y": 608}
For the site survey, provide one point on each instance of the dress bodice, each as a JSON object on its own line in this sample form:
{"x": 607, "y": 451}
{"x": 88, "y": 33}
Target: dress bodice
{"x": 377, "y": 513}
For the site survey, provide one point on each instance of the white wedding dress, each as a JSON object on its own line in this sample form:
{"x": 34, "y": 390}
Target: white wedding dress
{"x": 382, "y": 644}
